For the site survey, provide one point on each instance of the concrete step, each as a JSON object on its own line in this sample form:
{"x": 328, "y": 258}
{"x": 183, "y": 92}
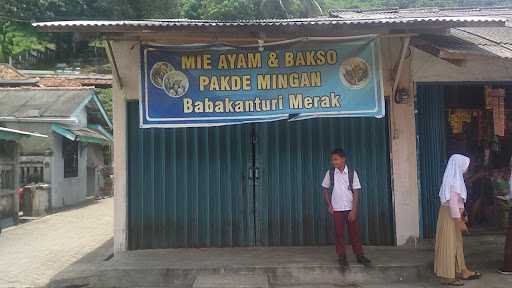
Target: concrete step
{"x": 395, "y": 285}
{"x": 256, "y": 279}
{"x": 248, "y": 277}
{"x": 252, "y": 267}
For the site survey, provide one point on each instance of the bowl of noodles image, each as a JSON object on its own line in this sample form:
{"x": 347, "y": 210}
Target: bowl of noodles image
{"x": 158, "y": 72}
{"x": 175, "y": 84}
{"x": 354, "y": 73}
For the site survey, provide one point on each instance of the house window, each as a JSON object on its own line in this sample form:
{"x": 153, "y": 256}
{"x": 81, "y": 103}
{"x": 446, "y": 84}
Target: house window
{"x": 70, "y": 155}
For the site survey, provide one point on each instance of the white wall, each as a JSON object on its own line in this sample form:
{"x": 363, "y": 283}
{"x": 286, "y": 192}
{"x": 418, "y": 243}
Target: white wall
{"x": 67, "y": 191}
{"x": 126, "y": 87}
{"x": 403, "y": 146}
{"x": 64, "y": 191}
{"x": 127, "y": 55}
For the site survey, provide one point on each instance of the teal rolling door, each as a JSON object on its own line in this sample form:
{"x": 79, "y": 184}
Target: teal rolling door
{"x": 291, "y": 160}
{"x": 188, "y": 187}
{"x": 246, "y": 185}
{"x": 431, "y": 135}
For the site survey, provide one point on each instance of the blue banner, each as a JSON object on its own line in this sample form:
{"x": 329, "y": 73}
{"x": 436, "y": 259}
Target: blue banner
{"x": 225, "y": 85}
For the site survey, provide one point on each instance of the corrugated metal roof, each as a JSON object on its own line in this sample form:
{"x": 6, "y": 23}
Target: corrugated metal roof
{"x": 81, "y": 134}
{"x": 454, "y": 45}
{"x": 431, "y": 12}
{"x": 461, "y": 17}
{"x": 483, "y": 35}
{"x": 495, "y": 41}
{"x": 38, "y": 102}
{"x": 268, "y": 22}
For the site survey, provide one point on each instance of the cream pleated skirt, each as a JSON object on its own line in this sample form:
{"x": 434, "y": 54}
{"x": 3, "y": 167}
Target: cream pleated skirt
{"x": 449, "y": 257}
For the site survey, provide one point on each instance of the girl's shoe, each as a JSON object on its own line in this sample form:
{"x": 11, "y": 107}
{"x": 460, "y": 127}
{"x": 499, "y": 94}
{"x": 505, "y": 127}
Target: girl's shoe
{"x": 452, "y": 282}
{"x": 505, "y": 272}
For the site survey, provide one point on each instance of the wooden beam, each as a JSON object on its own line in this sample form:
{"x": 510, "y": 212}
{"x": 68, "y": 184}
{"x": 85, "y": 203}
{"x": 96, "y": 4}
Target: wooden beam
{"x": 452, "y": 58}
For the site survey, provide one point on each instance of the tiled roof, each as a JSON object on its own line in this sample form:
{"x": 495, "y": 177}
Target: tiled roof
{"x": 9, "y": 76}
{"x": 7, "y": 72}
{"x": 74, "y": 81}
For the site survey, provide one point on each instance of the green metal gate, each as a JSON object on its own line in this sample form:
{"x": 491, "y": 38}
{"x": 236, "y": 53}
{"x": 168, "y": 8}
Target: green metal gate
{"x": 247, "y": 185}
{"x": 292, "y": 159}
{"x": 188, "y": 187}
{"x": 431, "y": 137}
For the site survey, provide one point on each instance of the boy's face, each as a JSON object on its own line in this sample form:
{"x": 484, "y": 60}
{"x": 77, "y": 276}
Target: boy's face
{"x": 337, "y": 161}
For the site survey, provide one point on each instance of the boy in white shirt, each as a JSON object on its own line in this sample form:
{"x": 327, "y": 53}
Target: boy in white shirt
{"x": 342, "y": 203}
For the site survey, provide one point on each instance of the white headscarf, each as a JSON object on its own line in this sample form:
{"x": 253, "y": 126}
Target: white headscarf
{"x": 453, "y": 179}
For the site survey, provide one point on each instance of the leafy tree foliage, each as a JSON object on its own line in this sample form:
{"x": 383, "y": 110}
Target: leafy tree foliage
{"x": 105, "y": 96}
{"x": 249, "y": 9}
{"x": 330, "y": 4}
{"x": 16, "y": 34}
{"x": 145, "y": 9}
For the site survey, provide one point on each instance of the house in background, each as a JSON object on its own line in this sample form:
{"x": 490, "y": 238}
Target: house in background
{"x": 71, "y": 159}
{"x": 67, "y": 109}
{"x": 9, "y": 179}
{"x": 10, "y": 77}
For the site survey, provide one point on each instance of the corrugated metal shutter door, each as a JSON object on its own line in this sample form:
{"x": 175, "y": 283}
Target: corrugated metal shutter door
{"x": 188, "y": 187}
{"x": 191, "y": 187}
{"x": 293, "y": 157}
{"x": 431, "y": 131}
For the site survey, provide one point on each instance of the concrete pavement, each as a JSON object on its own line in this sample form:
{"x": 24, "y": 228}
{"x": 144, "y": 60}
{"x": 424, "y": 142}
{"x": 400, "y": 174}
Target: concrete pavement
{"x": 278, "y": 267}
{"x": 267, "y": 266}
{"x": 32, "y": 253}
{"x": 78, "y": 243}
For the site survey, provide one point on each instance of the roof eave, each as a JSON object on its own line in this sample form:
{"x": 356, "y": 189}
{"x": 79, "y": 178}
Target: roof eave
{"x": 192, "y": 26}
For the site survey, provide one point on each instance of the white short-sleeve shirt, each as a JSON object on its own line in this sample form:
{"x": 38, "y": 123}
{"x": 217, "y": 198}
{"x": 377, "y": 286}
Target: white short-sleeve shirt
{"x": 341, "y": 198}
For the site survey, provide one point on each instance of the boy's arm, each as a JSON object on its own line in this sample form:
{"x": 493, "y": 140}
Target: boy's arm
{"x": 356, "y": 189}
{"x": 352, "y": 216}
{"x": 327, "y": 199}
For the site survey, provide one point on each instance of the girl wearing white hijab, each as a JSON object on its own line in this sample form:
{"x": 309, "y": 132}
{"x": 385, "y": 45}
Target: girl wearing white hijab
{"x": 449, "y": 264}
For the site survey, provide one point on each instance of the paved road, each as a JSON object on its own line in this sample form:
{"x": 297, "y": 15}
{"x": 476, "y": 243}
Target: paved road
{"x": 32, "y": 253}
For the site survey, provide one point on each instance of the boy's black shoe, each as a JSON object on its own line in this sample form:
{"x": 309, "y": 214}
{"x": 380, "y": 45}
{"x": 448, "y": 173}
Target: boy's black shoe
{"x": 342, "y": 259}
{"x": 363, "y": 260}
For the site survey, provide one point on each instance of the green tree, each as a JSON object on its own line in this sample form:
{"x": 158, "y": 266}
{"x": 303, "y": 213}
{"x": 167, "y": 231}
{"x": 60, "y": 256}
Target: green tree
{"x": 16, "y": 34}
{"x": 145, "y": 9}
{"x": 249, "y": 9}
{"x": 105, "y": 96}
{"x": 334, "y": 4}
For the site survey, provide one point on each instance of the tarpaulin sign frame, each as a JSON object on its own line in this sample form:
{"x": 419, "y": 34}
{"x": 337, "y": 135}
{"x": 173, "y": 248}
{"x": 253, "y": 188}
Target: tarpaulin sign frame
{"x": 193, "y": 86}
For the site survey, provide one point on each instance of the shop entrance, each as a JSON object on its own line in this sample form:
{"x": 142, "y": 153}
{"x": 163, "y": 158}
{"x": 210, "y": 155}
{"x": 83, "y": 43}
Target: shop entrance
{"x": 251, "y": 185}
{"x": 469, "y": 119}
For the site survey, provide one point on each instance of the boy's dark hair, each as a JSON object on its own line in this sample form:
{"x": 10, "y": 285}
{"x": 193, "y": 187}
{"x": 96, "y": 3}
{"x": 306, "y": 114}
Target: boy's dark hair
{"x": 338, "y": 151}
